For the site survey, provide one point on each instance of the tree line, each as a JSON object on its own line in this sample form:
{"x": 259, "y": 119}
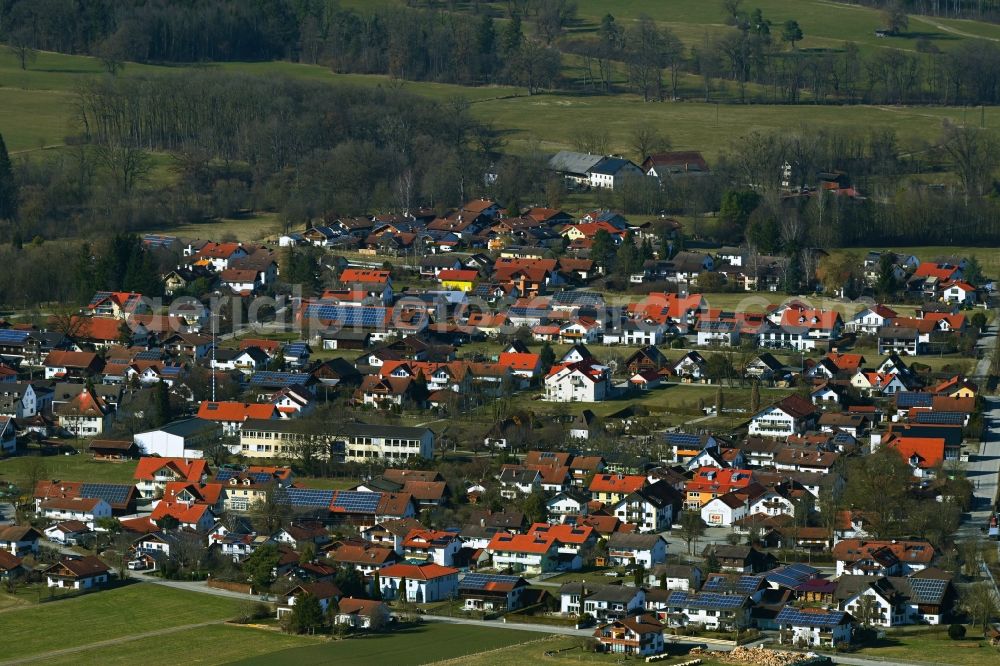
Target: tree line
{"x": 762, "y": 63}
{"x": 407, "y": 43}
{"x": 238, "y": 143}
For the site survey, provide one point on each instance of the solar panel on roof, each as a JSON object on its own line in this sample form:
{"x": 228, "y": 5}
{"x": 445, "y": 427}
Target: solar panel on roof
{"x": 478, "y": 581}
{"x": 940, "y": 418}
{"x": 9, "y": 335}
{"x": 148, "y": 355}
{"x": 744, "y": 585}
{"x": 683, "y": 439}
{"x": 357, "y": 501}
{"x": 708, "y": 600}
{"x": 914, "y": 399}
{"x": 309, "y": 498}
{"x": 928, "y": 589}
{"x": 112, "y": 493}
{"x": 795, "y": 616}
{"x": 270, "y": 377}
{"x": 367, "y": 317}
{"x": 224, "y": 475}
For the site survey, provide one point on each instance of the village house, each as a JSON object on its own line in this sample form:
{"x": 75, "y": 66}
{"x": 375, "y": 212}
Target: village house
{"x": 362, "y": 613}
{"x": 875, "y": 557}
{"x": 78, "y": 573}
{"x": 646, "y": 550}
{"x": 582, "y": 381}
{"x": 424, "y": 583}
{"x": 534, "y": 553}
{"x": 601, "y": 602}
{"x": 640, "y": 635}
{"x": 712, "y": 610}
{"x": 814, "y": 627}
{"x": 789, "y": 416}
{"x": 492, "y": 592}
{"x": 19, "y": 540}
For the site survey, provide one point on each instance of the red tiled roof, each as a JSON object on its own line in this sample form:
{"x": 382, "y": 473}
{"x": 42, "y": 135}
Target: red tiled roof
{"x": 457, "y": 275}
{"x": 521, "y": 543}
{"x": 569, "y": 534}
{"x": 191, "y": 470}
{"x": 417, "y": 571}
{"x": 616, "y": 483}
{"x": 364, "y": 275}
{"x": 935, "y": 270}
{"x": 235, "y": 411}
{"x": 183, "y": 513}
{"x": 928, "y": 452}
{"x": 520, "y": 360}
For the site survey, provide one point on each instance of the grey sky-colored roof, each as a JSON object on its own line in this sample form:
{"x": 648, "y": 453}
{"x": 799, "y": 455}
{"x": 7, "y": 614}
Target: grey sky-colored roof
{"x": 568, "y": 161}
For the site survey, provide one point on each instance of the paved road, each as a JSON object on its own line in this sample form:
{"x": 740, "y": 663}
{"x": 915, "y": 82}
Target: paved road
{"x": 983, "y": 467}
{"x": 568, "y": 631}
{"x": 192, "y": 586}
{"x": 52, "y": 654}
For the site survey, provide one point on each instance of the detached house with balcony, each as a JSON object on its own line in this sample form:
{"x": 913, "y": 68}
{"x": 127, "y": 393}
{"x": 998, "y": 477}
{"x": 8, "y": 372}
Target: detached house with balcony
{"x": 582, "y": 381}
{"x": 153, "y": 474}
{"x": 640, "y": 635}
{"x": 646, "y": 550}
{"x": 793, "y": 415}
{"x": 602, "y": 602}
{"x": 801, "y": 329}
{"x": 530, "y": 553}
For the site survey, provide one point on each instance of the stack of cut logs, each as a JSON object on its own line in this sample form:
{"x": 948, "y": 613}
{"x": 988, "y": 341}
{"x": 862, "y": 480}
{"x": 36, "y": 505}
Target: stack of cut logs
{"x": 760, "y": 656}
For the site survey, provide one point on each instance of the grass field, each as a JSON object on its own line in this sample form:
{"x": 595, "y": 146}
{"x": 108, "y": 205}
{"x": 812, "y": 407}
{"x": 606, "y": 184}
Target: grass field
{"x": 254, "y": 228}
{"x": 37, "y": 109}
{"x": 106, "y": 615}
{"x": 407, "y": 647}
{"x": 203, "y": 645}
{"x": 935, "y": 648}
{"x": 825, "y": 24}
{"x": 68, "y": 468}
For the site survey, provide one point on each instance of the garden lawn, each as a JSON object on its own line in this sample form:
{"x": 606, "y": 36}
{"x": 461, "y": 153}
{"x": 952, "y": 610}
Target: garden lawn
{"x": 107, "y": 614}
{"x": 216, "y": 644}
{"x": 69, "y": 468}
{"x": 423, "y": 644}
{"x": 935, "y": 647}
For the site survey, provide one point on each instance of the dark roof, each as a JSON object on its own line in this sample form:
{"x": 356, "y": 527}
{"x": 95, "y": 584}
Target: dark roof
{"x": 610, "y": 166}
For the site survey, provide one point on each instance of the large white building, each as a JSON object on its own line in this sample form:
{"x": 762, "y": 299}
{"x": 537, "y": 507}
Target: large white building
{"x": 185, "y": 438}
{"x": 345, "y": 442}
{"x": 583, "y": 381}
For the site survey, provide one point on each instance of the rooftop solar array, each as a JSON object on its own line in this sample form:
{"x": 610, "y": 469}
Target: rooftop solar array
{"x": 12, "y": 336}
{"x": 149, "y": 355}
{"x": 479, "y": 581}
{"x": 706, "y": 600}
{"x": 914, "y": 399}
{"x": 927, "y": 590}
{"x": 684, "y": 440}
{"x": 296, "y": 349}
{"x": 224, "y": 475}
{"x": 801, "y": 618}
{"x": 347, "y": 315}
{"x": 271, "y": 378}
{"x": 353, "y": 501}
{"x": 744, "y": 585}
{"x": 304, "y": 497}
{"x": 112, "y": 493}
{"x": 940, "y": 418}
{"x": 578, "y": 298}
{"x": 791, "y": 576}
